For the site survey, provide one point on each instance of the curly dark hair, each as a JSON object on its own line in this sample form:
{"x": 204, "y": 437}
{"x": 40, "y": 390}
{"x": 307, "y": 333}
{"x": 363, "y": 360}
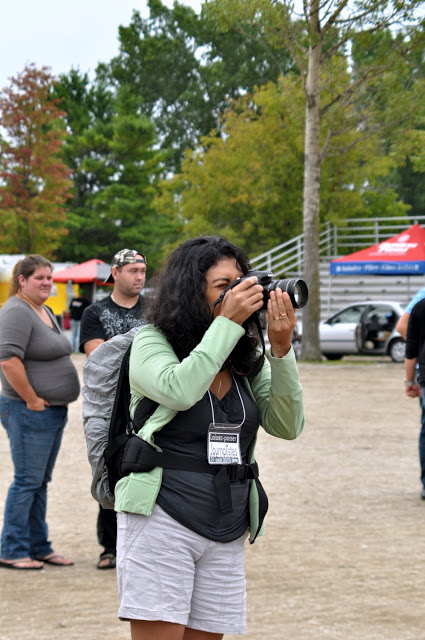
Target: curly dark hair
{"x": 179, "y": 307}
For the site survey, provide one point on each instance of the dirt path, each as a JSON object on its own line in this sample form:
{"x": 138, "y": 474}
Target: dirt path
{"x": 344, "y": 552}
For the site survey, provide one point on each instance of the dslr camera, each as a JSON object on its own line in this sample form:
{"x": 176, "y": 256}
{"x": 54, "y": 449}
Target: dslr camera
{"x": 295, "y": 287}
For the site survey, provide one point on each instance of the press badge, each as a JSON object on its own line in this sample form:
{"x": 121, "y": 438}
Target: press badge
{"x": 224, "y": 445}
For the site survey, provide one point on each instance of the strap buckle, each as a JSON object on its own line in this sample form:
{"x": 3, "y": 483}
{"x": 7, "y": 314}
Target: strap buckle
{"x": 237, "y": 472}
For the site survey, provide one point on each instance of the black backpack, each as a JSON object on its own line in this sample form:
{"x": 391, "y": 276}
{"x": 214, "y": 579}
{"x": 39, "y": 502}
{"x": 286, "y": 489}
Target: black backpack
{"x": 122, "y": 429}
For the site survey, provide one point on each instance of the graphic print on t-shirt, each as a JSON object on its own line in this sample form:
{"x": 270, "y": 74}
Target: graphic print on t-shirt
{"x": 115, "y": 323}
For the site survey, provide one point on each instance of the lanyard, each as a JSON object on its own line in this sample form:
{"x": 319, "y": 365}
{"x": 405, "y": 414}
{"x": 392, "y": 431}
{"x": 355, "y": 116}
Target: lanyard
{"x": 240, "y": 398}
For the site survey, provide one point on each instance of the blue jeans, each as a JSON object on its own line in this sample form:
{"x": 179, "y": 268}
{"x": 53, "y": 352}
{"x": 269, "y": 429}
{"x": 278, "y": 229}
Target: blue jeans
{"x": 35, "y": 438}
{"x": 75, "y": 334}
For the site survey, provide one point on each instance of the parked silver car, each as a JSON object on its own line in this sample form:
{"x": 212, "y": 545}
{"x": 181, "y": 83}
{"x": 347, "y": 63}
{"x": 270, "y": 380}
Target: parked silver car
{"x": 366, "y": 328}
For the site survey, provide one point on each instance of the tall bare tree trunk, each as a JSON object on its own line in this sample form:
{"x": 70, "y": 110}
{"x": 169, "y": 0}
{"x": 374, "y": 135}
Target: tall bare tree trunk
{"x": 311, "y": 195}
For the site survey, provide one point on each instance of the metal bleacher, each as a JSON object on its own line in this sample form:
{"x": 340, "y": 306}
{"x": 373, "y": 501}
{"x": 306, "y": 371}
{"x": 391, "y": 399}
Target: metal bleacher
{"x": 286, "y": 260}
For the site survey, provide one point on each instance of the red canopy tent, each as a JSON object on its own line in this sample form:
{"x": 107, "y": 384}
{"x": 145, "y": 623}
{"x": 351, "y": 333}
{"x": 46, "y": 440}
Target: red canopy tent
{"x": 90, "y": 271}
{"x": 404, "y": 254}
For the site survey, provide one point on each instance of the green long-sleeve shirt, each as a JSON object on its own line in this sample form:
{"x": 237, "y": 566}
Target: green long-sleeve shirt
{"x": 156, "y": 372}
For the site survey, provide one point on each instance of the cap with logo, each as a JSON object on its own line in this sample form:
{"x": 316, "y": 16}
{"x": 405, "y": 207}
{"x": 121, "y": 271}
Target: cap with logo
{"x": 125, "y": 256}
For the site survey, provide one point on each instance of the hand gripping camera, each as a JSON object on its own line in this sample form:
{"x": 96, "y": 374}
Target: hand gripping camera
{"x": 295, "y": 287}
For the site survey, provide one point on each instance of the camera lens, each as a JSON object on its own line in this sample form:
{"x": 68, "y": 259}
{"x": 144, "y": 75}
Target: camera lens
{"x": 296, "y": 289}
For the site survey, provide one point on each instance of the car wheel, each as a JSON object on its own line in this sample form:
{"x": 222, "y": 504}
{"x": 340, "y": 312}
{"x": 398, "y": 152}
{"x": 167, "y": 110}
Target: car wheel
{"x": 397, "y": 350}
{"x": 297, "y": 347}
{"x": 333, "y": 356}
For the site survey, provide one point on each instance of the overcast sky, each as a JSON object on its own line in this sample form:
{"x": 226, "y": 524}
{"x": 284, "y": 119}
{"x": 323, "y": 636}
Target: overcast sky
{"x": 64, "y": 34}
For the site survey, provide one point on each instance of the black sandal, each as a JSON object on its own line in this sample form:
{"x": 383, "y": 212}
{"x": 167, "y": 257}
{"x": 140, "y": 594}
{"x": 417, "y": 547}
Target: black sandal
{"x": 111, "y": 561}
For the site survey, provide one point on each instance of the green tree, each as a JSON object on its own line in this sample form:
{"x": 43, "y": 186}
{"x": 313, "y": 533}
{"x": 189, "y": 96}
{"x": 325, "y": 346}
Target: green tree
{"x": 187, "y": 71}
{"x": 34, "y": 181}
{"x": 410, "y": 185}
{"x": 396, "y": 95}
{"x": 115, "y": 169}
{"x": 126, "y": 201}
{"x": 314, "y": 37}
{"x": 247, "y": 184}
{"x": 89, "y": 111}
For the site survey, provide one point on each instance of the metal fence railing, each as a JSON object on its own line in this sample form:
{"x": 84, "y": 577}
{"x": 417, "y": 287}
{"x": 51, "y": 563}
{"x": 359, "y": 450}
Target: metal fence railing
{"x": 356, "y": 234}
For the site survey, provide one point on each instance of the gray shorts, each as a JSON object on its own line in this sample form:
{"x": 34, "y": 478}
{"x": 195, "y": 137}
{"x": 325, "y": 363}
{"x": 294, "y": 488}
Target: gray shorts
{"x": 167, "y": 572}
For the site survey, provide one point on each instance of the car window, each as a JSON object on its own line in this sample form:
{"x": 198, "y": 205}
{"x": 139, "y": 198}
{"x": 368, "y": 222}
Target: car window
{"x": 383, "y": 315}
{"x": 352, "y": 314}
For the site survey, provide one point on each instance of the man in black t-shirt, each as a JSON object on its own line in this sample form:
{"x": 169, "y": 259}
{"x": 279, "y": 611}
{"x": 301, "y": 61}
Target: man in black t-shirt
{"x": 116, "y": 314}
{"x": 107, "y": 318}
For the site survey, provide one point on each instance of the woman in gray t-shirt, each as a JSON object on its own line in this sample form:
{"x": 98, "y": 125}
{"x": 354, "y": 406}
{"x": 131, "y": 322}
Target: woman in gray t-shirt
{"x": 38, "y": 382}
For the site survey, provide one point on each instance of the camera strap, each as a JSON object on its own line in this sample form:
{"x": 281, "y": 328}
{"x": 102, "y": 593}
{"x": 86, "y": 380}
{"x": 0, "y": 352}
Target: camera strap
{"x": 258, "y": 365}
{"x": 221, "y": 296}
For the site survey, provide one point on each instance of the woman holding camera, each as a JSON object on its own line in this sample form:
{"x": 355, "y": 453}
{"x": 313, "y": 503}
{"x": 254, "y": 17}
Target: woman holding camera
{"x": 181, "y": 532}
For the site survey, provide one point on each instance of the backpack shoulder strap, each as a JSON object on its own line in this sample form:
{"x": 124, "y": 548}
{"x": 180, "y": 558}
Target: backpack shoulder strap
{"x": 122, "y": 392}
{"x": 144, "y": 410}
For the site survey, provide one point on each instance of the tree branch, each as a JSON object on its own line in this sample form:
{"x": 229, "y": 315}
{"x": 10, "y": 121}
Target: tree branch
{"x": 371, "y": 72}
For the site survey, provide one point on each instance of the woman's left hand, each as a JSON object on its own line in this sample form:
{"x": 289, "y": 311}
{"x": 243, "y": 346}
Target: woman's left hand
{"x": 281, "y": 322}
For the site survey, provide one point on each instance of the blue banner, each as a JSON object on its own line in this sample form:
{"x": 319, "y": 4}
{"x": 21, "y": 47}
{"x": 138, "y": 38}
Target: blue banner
{"x": 377, "y": 268}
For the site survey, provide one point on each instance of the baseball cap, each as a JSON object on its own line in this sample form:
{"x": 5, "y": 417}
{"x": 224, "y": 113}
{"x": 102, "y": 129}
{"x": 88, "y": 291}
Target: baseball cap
{"x": 125, "y": 256}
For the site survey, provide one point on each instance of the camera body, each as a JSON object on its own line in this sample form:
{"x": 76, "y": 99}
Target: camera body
{"x": 295, "y": 287}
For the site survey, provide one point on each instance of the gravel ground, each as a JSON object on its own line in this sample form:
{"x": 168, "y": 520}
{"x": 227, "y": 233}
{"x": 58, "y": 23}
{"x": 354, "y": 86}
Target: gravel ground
{"x": 344, "y": 548}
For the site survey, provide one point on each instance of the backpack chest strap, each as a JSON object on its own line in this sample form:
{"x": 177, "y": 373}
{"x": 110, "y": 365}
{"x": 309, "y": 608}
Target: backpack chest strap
{"x": 139, "y": 456}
